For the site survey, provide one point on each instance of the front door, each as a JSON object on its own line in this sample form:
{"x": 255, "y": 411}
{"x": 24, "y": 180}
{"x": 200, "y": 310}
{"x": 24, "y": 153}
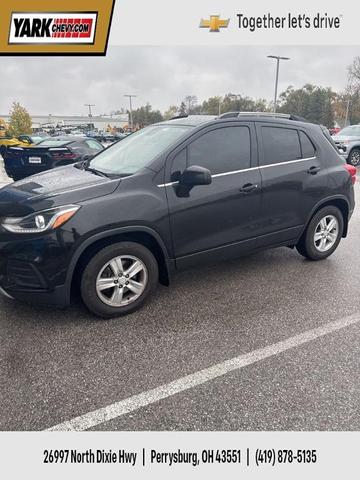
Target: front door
{"x": 224, "y": 213}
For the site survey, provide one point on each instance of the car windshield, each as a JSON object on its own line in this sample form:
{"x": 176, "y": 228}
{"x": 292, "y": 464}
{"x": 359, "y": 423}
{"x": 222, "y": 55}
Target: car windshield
{"x": 137, "y": 150}
{"x": 352, "y": 131}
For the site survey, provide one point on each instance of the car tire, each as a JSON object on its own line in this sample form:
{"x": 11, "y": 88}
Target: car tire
{"x": 320, "y": 240}
{"x": 354, "y": 157}
{"x": 17, "y": 178}
{"x": 103, "y": 287}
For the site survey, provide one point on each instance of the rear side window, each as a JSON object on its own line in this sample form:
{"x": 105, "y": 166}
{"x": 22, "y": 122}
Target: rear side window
{"x": 222, "y": 150}
{"x": 307, "y": 146}
{"x": 280, "y": 145}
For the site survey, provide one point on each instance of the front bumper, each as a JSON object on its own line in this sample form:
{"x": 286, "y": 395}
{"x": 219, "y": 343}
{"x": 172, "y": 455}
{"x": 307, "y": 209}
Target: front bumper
{"x": 35, "y": 270}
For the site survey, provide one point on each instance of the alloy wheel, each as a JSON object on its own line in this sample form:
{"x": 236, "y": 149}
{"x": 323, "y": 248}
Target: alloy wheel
{"x": 355, "y": 158}
{"x": 326, "y": 233}
{"x": 121, "y": 281}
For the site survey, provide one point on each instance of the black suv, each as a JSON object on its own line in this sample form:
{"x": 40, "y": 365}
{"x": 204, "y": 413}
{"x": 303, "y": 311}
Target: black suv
{"x": 170, "y": 196}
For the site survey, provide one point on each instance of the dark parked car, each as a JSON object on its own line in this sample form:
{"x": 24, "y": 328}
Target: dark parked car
{"x": 20, "y": 162}
{"x": 107, "y": 137}
{"x": 170, "y": 196}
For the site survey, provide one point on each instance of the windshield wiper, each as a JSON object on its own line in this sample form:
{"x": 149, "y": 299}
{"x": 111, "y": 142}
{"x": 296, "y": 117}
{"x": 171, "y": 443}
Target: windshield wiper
{"x": 95, "y": 171}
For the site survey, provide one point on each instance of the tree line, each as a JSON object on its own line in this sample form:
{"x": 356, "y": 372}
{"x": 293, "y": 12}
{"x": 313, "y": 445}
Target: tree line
{"x": 316, "y": 104}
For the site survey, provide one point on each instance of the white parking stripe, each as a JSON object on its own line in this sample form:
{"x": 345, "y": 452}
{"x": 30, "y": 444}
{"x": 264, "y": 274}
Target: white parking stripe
{"x": 118, "y": 409}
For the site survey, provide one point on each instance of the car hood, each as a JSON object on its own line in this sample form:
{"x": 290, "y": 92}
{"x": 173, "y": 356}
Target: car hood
{"x": 343, "y": 138}
{"x": 65, "y": 185}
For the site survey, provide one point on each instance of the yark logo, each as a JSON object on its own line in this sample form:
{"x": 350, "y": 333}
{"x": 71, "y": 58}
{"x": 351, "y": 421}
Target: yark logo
{"x": 215, "y": 23}
{"x": 52, "y": 28}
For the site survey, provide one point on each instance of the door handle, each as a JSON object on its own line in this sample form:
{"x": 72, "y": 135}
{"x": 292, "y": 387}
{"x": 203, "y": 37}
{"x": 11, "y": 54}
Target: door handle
{"x": 313, "y": 170}
{"x": 248, "y": 187}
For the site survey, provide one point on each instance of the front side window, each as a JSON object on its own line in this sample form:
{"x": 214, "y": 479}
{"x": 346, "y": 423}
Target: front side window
{"x": 222, "y": 150}
{"x": 280, "y": 145}
{"x": 138, "y": 149}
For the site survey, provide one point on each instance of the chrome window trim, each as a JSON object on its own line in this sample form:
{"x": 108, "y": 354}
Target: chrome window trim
{"x": 288, "y": 162}
{"x": 169, "y": 184}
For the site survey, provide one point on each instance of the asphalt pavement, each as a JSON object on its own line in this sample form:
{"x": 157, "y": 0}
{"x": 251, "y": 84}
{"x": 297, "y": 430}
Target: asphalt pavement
{"x": 57, "y": 365}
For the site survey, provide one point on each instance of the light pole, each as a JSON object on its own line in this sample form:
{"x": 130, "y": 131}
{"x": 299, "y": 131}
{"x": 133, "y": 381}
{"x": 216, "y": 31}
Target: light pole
{"x": 347, "y": 112}
{"x": 89, "y": 105}
{"x": 277, "y": 58}
{"x": 131, "y": 117}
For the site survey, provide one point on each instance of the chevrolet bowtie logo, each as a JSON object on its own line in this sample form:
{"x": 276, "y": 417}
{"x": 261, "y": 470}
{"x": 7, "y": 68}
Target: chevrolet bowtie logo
{"x": 214, "y": 23}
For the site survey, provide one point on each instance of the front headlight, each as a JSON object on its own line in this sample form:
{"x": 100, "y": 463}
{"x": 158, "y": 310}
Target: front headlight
{"x": 40, "y": 222}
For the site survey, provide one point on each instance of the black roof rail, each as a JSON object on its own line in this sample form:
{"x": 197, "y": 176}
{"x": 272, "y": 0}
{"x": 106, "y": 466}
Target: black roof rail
{"x": 185, "y": 115}
{"x": 263, "y": 114}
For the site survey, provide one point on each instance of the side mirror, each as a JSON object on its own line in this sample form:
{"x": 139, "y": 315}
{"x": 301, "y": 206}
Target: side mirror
{"x": 195, "y": 175}
{"x": 191, "y": 177}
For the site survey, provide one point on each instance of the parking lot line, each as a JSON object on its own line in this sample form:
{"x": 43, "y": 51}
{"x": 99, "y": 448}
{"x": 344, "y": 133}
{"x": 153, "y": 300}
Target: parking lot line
{"x": 123, "y": 407}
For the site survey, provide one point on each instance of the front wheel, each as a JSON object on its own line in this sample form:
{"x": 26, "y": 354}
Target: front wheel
{"x": 354, "y": 157}
{"x": 323, "y": 234}
{"x": 119, "y": 279}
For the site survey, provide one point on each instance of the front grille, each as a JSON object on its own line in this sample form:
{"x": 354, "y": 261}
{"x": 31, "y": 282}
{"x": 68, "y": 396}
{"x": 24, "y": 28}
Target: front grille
{"x": 24, "y": 275}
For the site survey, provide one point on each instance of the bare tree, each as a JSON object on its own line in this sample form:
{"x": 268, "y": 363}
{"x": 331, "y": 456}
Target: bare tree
{"x": 354, "y": 72}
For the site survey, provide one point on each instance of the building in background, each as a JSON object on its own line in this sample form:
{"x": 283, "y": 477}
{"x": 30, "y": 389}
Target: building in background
{"x": 95, "y": 122}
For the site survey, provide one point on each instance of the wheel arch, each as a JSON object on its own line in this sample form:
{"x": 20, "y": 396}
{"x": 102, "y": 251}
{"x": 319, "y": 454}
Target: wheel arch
{"x": 340, "y": 202}
{"x": 139, "y": 234}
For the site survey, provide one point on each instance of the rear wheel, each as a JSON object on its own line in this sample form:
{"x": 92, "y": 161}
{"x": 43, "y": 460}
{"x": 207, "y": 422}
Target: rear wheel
{"x": 119, "y": 279}
{"x": 323, "y": 234}
{"x": 354, "y": 157}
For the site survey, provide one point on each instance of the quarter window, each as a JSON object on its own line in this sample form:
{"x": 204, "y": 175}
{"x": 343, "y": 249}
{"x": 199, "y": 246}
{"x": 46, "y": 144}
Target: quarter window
{"x": 222, "y": 150}
{"x": 307, "y": 146}
{"x": 280, "y": 145}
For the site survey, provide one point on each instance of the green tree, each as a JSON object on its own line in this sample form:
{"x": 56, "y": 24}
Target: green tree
{"x": 20, "y": 121}
{"x": 212, "y": 106}
{"x": 171, "y": 112}
{"x": 311, "y": 102}
{"x": 233, "y": 103}
{"x": 145, "y": 115}
{"x": 347, "y": 104}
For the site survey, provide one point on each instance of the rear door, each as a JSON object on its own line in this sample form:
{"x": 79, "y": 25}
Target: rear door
{"x": 292, "y": 181}
{"x": 226, "y": 211}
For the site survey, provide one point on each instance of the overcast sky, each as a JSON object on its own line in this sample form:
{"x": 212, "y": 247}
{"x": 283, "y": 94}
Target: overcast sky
{"x": 163, "y": 76}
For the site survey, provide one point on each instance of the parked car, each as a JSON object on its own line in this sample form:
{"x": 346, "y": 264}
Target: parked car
{"x": 170, "y": 196}
{"x": 107, "y": 137}
{"x": 22, "y": 161}
{"x": 8, "y": 141}
{"x": 32, "y": 139}
{"x": 334, "y": 131}
{"x": 348, "y": 141}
